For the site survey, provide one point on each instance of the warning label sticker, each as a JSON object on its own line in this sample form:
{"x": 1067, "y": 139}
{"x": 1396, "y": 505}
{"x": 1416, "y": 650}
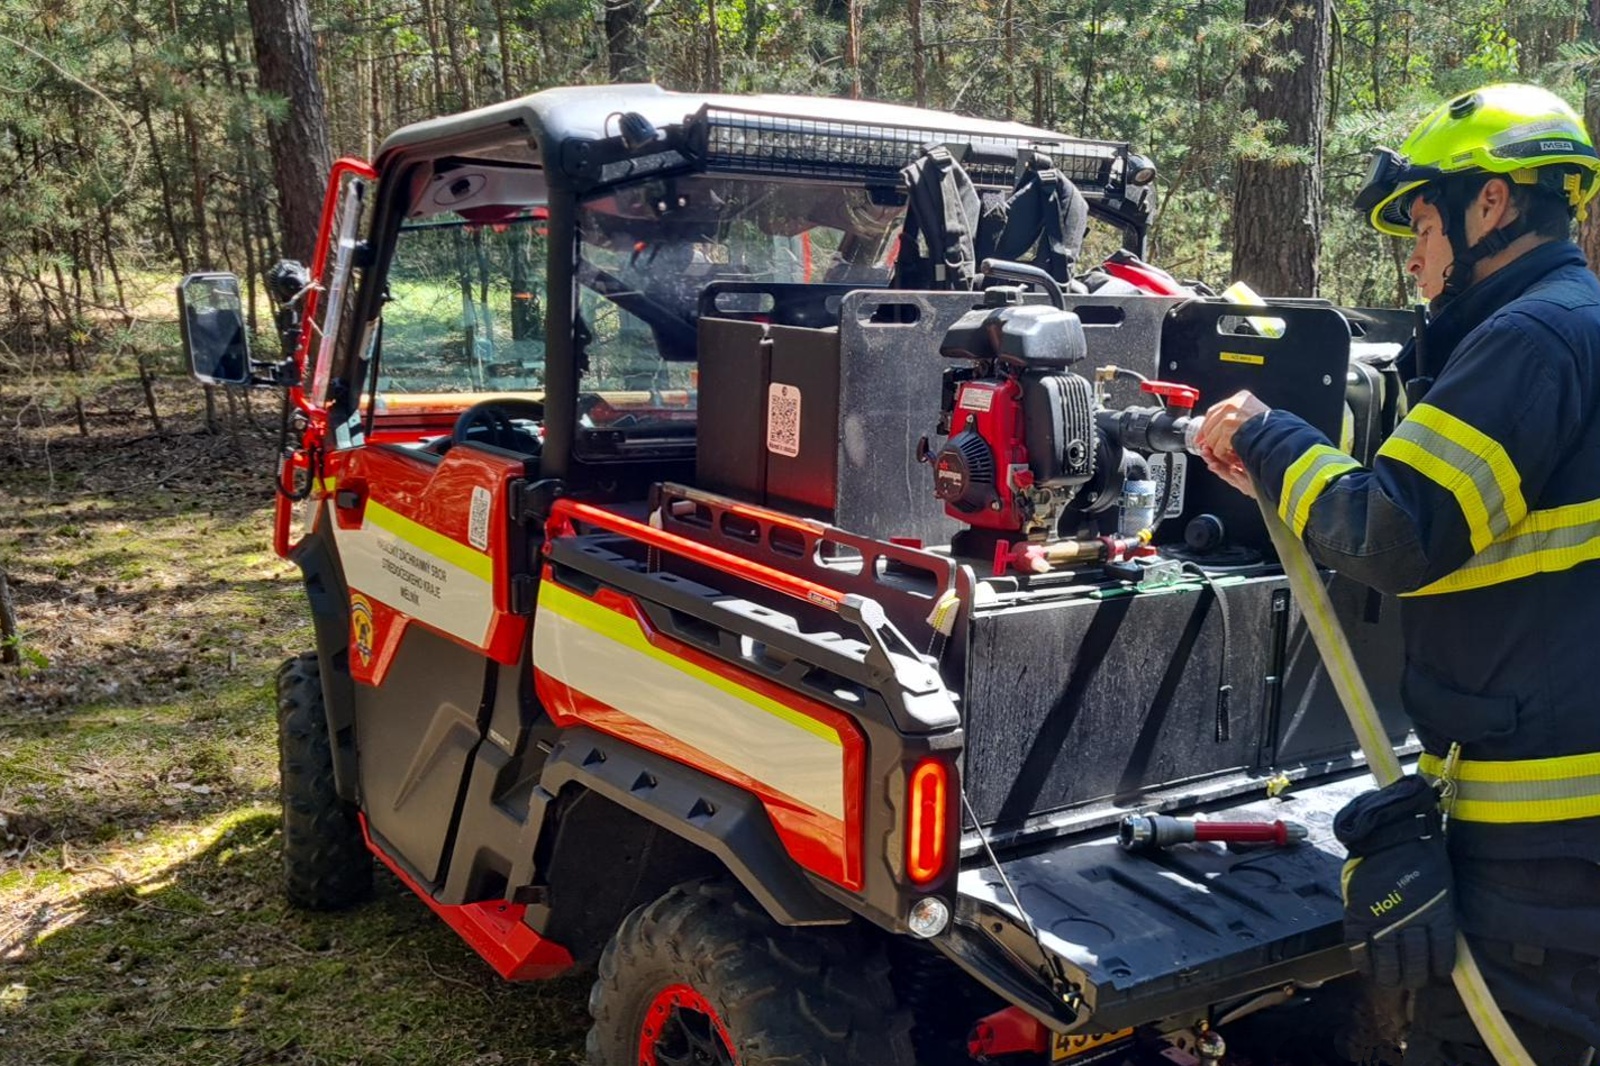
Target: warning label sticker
{"x": 977, "y": 399}
{"x": 783, "y": 419}
{"x": 478, "y": 519}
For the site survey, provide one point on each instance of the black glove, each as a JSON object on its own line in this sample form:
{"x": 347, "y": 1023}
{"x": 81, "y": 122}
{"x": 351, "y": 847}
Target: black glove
{"x": 1398, "y": 898}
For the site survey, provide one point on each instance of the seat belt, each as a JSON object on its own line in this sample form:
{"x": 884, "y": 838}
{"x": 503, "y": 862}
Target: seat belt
{"x": 1356, "y": 699}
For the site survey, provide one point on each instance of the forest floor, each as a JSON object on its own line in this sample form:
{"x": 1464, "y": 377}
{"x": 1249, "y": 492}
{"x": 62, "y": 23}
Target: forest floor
{"x": 140, "y": 916}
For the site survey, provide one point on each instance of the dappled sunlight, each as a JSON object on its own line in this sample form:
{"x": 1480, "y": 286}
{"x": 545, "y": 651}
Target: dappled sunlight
{"x": 182, "y": 941}
{"x": 142, "y": 868}
{"x": 142, "y": 918}
{"x": 133, "y": 596}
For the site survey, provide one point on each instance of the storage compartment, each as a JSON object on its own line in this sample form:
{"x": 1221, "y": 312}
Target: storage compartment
{"x": 1089, "y": 700}
{"x": 825, "y": 420}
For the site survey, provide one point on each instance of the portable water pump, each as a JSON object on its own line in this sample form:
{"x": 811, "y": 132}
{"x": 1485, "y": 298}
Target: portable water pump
{"x": 1028, "y": 441}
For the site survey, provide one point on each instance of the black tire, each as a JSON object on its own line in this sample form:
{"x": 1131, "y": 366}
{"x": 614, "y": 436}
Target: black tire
{"x": 782, "y": 997}
{"x": 326, "y": 865}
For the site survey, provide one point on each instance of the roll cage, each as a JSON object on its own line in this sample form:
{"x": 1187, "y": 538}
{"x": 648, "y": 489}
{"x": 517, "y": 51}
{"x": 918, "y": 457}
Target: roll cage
{"x": 561, "y": 148}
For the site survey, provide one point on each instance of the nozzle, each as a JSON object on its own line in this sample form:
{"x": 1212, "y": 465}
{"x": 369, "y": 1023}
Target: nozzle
{"x": 1149, "y": 832}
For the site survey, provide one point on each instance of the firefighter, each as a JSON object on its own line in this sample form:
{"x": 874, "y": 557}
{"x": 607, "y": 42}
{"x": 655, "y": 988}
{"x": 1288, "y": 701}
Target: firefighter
{"x": 1482, "y": 513}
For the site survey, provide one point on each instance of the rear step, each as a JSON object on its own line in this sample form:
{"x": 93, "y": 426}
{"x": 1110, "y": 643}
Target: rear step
{"x": 1143, "y": 936}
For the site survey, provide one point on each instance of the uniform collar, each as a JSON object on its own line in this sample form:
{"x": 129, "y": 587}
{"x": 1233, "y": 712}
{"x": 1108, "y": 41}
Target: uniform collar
{"x": 1454, "y": 319}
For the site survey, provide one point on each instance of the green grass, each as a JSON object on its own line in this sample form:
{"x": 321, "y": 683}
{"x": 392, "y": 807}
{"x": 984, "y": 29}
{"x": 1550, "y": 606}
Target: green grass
{"x": 141, "y": 920}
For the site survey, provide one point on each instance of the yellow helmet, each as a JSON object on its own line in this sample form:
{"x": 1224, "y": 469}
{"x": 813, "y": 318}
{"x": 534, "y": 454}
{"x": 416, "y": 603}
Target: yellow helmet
{"x": 1528, "y": 134}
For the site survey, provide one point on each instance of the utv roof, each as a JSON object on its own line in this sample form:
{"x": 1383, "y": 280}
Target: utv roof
{"x": 583, "y": 112}
{"x": 574, "y": 133}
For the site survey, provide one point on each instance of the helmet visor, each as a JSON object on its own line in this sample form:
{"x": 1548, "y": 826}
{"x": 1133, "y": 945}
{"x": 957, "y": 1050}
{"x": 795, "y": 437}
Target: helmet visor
{"x": 1387, "y": 171}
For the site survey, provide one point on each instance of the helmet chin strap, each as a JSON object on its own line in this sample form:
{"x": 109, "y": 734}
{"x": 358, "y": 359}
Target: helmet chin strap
{"x": 1452, "y": 198}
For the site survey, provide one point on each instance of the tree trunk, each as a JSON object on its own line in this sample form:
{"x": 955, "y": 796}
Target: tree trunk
{"x": 458, "y": 65}
{"x": 69, "y": 331}
{"x": 148, "y": 386}
{"x": 852, "y": 48}
{"x": 754, "y": 23}
{"x": 502, "y": 38}
{"x": 919, "y": 63}
{"x": 1008, "y": 17}
{"x": 179, "y": 246}
{"x": 286, "y": 57}
{"x": 8, "y": 625}
{"x": 197, "y": 185}
{"x": 625, "y": 52}
{"x": 1277, "y": 225}
{"x": 713, "y": 49}
{"x": 432, "y": 26}
{"x": 1589, "y": 230}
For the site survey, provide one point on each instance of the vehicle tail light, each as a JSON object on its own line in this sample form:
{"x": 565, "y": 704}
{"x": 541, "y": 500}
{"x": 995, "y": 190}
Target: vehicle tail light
{"x": 928, "y": 805}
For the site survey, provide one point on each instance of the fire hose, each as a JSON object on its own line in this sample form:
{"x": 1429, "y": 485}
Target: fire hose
{"x": 1317, "y": 609}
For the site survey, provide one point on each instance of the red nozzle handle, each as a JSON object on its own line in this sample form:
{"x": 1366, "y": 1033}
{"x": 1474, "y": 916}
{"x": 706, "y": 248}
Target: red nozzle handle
{"x": 1280, "y": 833}
{"x": 1173, "y": 394}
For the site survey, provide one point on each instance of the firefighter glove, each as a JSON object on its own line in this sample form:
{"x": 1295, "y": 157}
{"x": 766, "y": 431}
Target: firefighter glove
{"x": 1398, "y": 898}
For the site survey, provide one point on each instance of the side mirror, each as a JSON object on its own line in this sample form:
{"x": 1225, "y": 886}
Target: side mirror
{"x": 211, "y": 317}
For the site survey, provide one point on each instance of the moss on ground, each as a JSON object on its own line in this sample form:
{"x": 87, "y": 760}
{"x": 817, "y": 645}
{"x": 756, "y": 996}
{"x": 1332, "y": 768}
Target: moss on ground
{"x": 140, "y": 917}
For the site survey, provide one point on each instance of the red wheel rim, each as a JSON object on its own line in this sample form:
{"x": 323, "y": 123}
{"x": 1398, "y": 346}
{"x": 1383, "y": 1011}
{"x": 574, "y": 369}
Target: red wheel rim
{"x": 681, "y": 1029}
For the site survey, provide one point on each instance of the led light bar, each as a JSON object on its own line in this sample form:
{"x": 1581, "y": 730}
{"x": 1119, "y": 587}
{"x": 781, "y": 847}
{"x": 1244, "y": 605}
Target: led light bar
{"x": 874, "y": 152}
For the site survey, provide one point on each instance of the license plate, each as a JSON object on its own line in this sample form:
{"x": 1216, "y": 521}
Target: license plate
{"x": 1071, "y": 1045}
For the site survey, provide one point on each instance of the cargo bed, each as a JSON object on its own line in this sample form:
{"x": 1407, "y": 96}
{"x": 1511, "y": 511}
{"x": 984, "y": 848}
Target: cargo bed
{"x": 1148, "y": 935}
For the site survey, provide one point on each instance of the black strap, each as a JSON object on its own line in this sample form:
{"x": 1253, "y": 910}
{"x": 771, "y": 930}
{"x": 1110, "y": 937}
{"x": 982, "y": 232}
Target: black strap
{"x": 1453, "y": 200}
{"x": 1224, "y": 722}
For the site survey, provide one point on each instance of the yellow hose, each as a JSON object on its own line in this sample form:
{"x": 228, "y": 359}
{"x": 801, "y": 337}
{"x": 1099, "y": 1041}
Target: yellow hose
{"x": 1317, "y": 608}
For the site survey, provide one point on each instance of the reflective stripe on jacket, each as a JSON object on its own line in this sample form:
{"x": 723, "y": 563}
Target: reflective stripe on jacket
{"x": 1482, "y": 511}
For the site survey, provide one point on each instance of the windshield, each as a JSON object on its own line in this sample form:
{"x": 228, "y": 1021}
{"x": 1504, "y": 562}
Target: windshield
{"x": 465, "y": 307}
{"x": 648, "y": 251}
{"x": 466, "y": 298}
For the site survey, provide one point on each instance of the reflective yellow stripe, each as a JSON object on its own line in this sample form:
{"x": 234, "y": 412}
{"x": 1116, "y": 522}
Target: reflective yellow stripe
{"x": 1525, "y": 812}
{"x": 1487, "y": 449}
{"x": 1291, "y": 480}
{"x": 1305, "y": 480}
{"x": 1465, "y": 463}
{"x": 1517, "y": 791}
{"x": 1545, "y": 542}
{"x": 1448, "y": 478}
{"x": 1508, "y": 771}
{"x": 474, "y": 562}
{"x": 626, "y": 632}
{"x": 1331, "y": 467}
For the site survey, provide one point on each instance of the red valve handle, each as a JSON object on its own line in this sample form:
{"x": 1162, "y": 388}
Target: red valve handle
{"x": 1183, "y": 397}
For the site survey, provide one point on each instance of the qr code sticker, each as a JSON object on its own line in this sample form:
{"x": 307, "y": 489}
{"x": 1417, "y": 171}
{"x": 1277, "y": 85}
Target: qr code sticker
{"x": 1177, "y": 465}
{"x": 783, "y": 419}
{"x": 478, "y": 520}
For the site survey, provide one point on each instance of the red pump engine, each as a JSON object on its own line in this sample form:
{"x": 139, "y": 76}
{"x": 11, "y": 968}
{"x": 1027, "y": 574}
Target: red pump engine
{"x": 1026, "y": 438}
{"x": 982, "y": 472}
